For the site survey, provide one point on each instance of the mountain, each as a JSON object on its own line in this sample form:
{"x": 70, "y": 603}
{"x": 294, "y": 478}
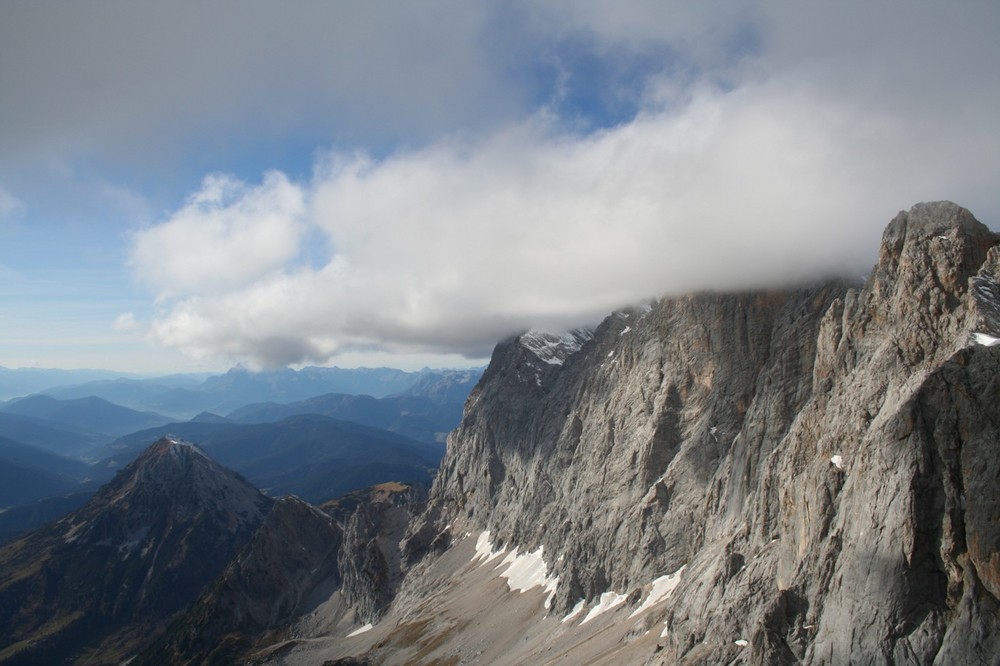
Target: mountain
{"x": 58, "y": 438}
{"x": 104, "y": 579}
{"x": 28, "y": 473}
{"x": 91, "y": 414}
{"x": 17, "y": 521}
{"x": 23, "y": 381}
{"x": 776, "y": 477}
{"x": 312, "y": 456}
{"x": 272, "y": 579}
{"x": 184, "y": 396}
{"x": 304, "y": 565}
{"x": 804, "y": 476}
{"x": 414, "y": 416}
{"x": 444, "y": 387}
{"x": 135, "y": 393}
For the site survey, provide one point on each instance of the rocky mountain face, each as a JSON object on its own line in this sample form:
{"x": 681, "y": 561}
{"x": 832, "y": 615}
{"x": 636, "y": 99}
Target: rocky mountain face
{"x": 272, "y": 579}
{"x": 820, "y": 465}
{"x": 99, "y": 582}
{"x": 801, "y": 476}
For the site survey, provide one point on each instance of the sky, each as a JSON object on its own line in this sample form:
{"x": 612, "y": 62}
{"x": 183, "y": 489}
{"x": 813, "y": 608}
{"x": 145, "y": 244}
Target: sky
{"x": 189, "y": 185}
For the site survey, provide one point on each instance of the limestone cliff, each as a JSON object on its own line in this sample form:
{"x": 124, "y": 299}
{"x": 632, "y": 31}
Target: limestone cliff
{"x": 823, "y": 462}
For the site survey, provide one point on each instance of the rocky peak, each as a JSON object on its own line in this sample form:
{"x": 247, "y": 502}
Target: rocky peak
{"x": 178, "y": 478}
{"x": 806, "y": 456}
{"x": 927, "y": 257}
{"x": 107, "y": 575}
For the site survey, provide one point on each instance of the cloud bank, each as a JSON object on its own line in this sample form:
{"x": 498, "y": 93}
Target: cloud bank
{"x": 777, "y": 155}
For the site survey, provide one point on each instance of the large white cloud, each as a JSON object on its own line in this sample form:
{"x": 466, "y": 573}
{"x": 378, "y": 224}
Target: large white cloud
{"x": 455, "y": 245}
{"x": 227, "y": 235}
{"x": 774, "y": 152}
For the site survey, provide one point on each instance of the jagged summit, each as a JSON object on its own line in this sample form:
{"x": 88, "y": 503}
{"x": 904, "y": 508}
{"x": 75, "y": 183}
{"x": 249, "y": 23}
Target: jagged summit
{"x": 819, "y": 464}
{"x": 178, "y": 477}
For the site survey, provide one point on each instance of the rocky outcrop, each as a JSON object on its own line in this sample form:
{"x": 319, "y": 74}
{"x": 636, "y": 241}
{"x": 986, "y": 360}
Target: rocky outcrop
{"x": 823, "y": 462}
{"x": 371, "y": 561}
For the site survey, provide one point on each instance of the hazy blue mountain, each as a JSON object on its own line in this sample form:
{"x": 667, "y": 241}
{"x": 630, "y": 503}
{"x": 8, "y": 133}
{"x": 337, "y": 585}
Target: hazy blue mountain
{"x": 28, "y": 474}
{"x": 445, "y": 386}
{"x": 19, "y": 520}
{"x": 59, "y": 438}
{"x": 24, "y": 381}
{"x": 33, "y": 456}
{"x": 428, "y": 410}
{"x": 413, "y": 416}
{"x": 313, "y": 456}
{"x": 135, "y": 393}
{"x": 91, "y": 413}
{"x": 184, "y": 396}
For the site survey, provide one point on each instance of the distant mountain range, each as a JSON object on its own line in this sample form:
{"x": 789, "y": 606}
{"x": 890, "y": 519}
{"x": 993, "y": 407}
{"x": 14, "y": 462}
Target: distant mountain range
{"x": 318, "y": 447}
{"x": 91, "y": 413}
{"x": 313, "y": 456}
{"x": 183, "y": 397}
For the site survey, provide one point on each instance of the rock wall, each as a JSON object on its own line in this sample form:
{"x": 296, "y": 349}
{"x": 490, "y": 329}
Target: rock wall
{"x": 824, "y": 461}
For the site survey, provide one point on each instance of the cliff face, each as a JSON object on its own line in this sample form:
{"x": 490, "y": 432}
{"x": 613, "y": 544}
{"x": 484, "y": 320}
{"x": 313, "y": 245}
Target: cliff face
{"x": 822, "y": 462}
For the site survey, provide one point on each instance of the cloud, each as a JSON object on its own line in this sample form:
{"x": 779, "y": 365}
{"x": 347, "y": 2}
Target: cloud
{"x": 126, "y": 323}
{"x": 10, "y": 206}
{"x": 134, "y": 81}
{"x": 225, "y": 236}
{"x": 451, "y": 247}
{"x": 769, "y": 147}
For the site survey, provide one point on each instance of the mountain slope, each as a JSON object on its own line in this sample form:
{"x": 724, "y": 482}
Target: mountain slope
{"x": 55, "y": 437}
{"x": 312, "y": 456}
{"x": 100, "y": 581}
{"x": 416, "y": 416}
{"x": 807, "y": 476}
{"x": 90, "y": 413}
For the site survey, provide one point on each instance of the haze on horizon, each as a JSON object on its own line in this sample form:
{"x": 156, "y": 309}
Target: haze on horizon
{"x": 185, "y": 186}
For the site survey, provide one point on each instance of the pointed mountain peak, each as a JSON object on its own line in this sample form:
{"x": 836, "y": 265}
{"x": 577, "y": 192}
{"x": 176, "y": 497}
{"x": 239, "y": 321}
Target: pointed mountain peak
{"x": 170, "y": 445}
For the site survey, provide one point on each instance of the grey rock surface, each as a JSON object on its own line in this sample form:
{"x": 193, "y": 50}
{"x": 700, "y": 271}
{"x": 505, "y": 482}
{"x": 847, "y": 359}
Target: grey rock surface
{"x": 824, "y": 462}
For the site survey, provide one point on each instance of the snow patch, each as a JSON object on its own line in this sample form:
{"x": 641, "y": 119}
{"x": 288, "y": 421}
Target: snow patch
{"x": 625, "y": 330}
{"x": 360, "y": 630}
{"x": 986, "y": 340}
{"x": 837, "y": 461}
{"x": 742, "y": 642}
{"x": 554, "y": 349}
{"x": 607, "y": 601}
{"x": 576, "y": 610}
{"x": 663, "y": 587}
{"x": 527, "y": 571}
{"x": 484, "y": 549}
{"x": 523, "y": 572}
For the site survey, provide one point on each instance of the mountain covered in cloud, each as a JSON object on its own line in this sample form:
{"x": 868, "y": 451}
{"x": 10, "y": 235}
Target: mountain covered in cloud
{"x": 788, "y": 476}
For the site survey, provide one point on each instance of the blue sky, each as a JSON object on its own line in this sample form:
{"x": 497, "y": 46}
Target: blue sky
{"x": 186, "y": 186}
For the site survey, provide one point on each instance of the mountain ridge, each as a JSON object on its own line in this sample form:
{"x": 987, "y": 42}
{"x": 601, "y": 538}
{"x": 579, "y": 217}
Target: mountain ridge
{"x": 813, "y": 470}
